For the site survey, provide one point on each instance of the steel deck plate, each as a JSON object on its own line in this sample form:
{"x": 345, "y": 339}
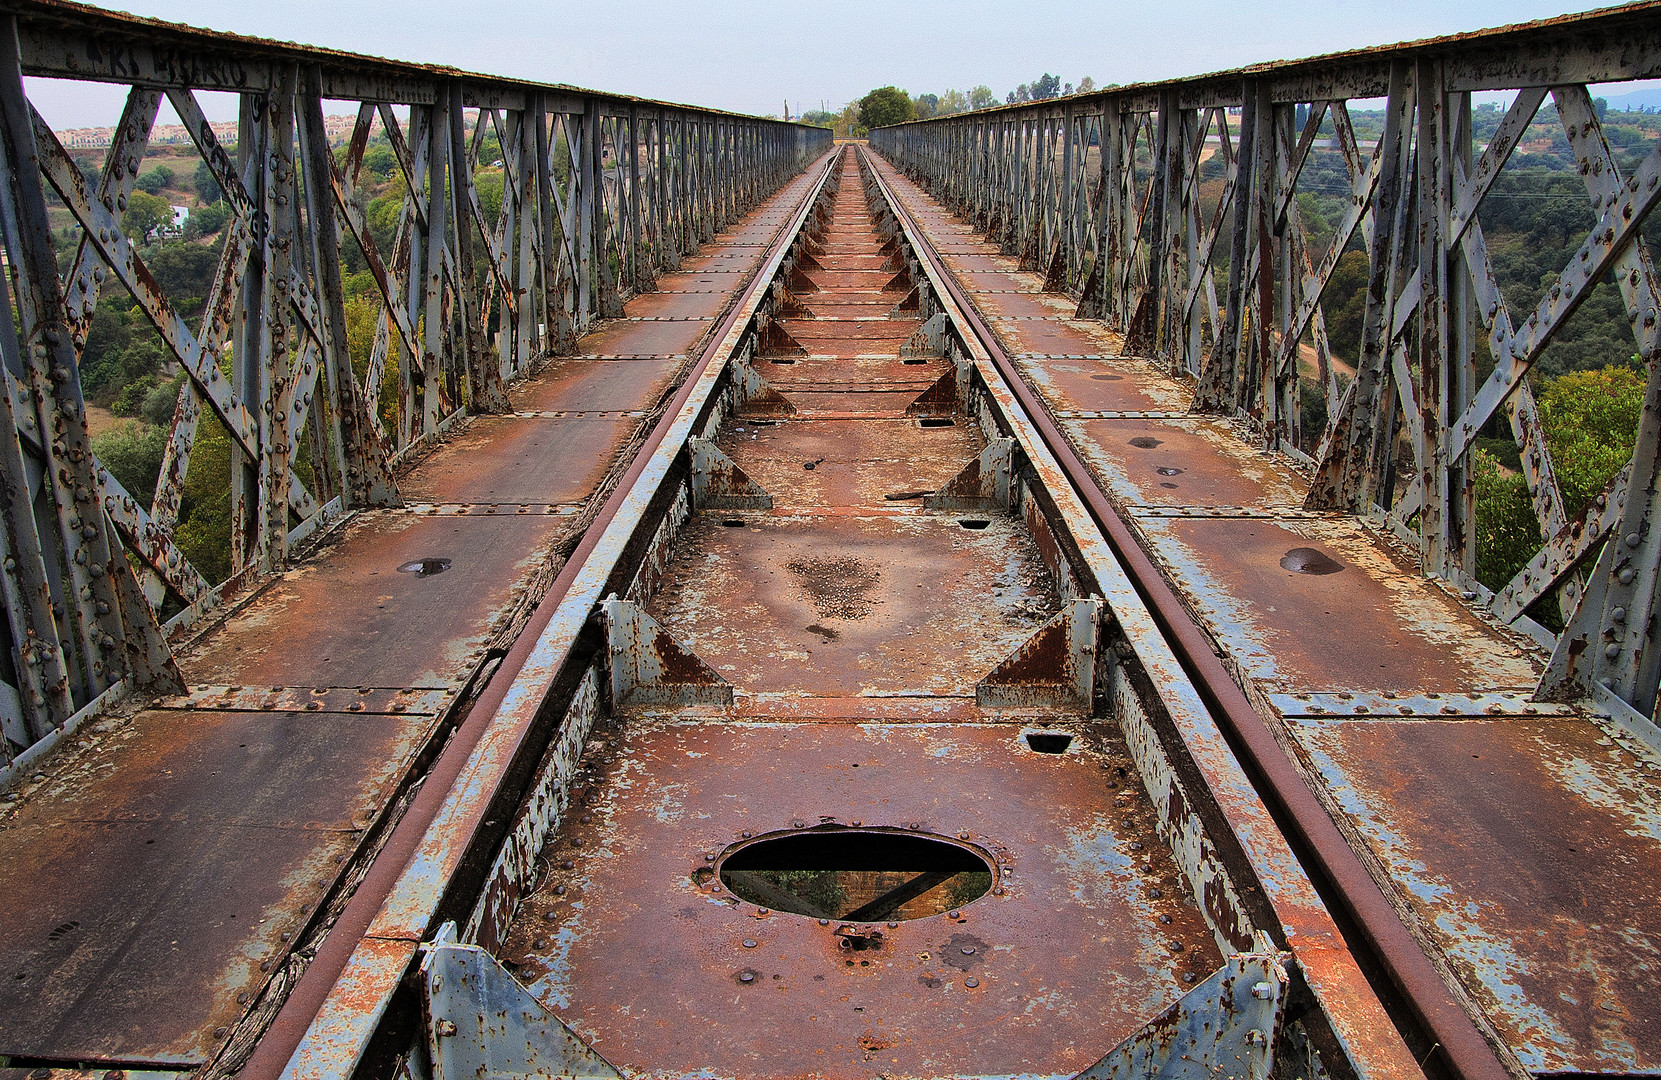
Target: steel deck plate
{"x": 348, "y": 617}
{"x": 1527, "y": 849}
{"x": 505, "y": 459}
{"x": 647, "y": 965}
{"x": 151, "y": 883}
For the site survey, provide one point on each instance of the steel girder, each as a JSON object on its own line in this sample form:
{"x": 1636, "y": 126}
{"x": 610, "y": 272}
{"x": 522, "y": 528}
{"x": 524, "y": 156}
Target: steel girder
{"x": 1102, "y": 193}
{"x": 601, "y": 193}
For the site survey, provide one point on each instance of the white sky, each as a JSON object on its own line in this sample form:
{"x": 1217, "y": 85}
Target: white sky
{"x": 749, "y": 56}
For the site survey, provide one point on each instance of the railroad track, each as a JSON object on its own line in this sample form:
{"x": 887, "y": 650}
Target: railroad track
{"x": 846, "y": 745}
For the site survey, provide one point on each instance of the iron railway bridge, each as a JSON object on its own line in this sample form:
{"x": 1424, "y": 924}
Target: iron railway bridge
{"x": 745, "y": 606}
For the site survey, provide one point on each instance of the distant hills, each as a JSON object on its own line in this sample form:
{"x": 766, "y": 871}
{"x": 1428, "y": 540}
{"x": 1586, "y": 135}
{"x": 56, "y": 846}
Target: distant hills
{"x": 1638, "y": 99}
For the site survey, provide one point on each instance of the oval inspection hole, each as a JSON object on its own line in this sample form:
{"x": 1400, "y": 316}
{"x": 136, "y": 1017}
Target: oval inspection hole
{"x": 936, "y": 421}
{"x": 425, "y": 567}
{"x": 1145, "y": 442}
{"x": 1306, "y": 560}
{"x": 1048, "y": 742}
{"x": 914, "y": 360}
{"x": 781, "y": 360}
{"x": 733, "y": 523}
{"x": 857, "y": 875}
{"x": 976, "y": 524}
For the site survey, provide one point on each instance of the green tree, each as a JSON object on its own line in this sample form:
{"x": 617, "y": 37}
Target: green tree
{"x": 1590, "y": 421}
{"x": 133, "y": 453}
{"x": 207, "y": 220}
{"x": 1046, "y": 87}
{"x": 1085, "y": 85}
{"x": 953, "y": 102}
{"x": 1345, "y": 305}
{"x": 144, "y": 215}
{"x": 379, "y": 161}
{"x": 848, "y": 125}
{"x": 884, "y": 106}
{"x": 924, "y": 106}
{"x": 205, "y": 184}
{"x": 153, "y": 181}
{"x": 982, "y": 97}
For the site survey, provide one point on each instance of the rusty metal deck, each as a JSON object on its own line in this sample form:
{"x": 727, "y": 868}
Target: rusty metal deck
{"x": 1468, "y": 823}
{"x": 1091, "y": 934}
{"x": 853, "y": 625}
{"x": 162, "y": 868}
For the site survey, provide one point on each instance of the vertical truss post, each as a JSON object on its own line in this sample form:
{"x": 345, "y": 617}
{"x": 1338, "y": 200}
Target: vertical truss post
{"x": 1355, "y": 472}
{"x": 1218, "y": 390}
{"x": 1433, "y": 159}
{"x": 276, "y": 304}
{"x": 247, "y": 374}
{"x": 32, "y": 632}
{"x": 435, "y": 324}
{"x": 366, "y": 479}
{"x": 1460, "y": 521}
{"x": 104, "y": 628}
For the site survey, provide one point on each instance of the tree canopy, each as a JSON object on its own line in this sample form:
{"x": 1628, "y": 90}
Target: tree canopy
{"x": 883, "y": 106}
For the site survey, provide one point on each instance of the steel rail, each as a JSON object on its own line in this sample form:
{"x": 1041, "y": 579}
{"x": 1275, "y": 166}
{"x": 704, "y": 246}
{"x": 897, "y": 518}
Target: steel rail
{"x": 1338, "y": 873}
{"x": 484, "y": 722}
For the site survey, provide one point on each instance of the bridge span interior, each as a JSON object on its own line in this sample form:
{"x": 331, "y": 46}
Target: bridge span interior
{"x": 851, "y": 611}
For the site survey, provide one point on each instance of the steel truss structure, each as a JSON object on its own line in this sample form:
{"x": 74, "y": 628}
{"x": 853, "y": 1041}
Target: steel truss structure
{"x": 1101, "y": 192}
{"x": 601, "y": 193}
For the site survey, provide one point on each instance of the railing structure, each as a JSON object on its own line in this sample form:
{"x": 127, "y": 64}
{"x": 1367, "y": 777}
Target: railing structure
{"x": 1101, "y": 193}
{"x": 601, "y": 192}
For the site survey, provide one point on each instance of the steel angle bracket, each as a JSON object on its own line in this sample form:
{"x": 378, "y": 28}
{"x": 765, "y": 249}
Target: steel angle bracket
{"x": 756, "y": 396}
{"x": 1056, "y": 666}
{"x": 481, "y": 1023}
{"x": 1223, "y": 1028}
{"x": 719, "y": 484}
{"x": 928, "y": 339}
{"x": 983, "y": 484}
{"x": 648, "y": 667}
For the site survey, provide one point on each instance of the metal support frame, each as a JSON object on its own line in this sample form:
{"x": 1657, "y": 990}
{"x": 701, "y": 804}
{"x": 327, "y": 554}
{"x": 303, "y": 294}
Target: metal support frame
{"x": 1137, "y": 248}
{"x": 601, "y": 193}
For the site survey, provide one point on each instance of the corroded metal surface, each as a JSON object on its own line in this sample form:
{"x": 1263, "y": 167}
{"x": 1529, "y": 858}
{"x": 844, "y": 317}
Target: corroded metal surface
{"x": 192, "y": 847}
{"x": 155, "y": 881}
{"x": 338, "y": 1006}
{"x": 1321, "y": 605}
{"x": 911, "y": 605}
{"x": 854, "y": 464}
{"x": 1327, "y": 609}
{"x": 1183, "y": 462}
{"x": 842, "y": 616}
{"x": 504, "y": 459}
{"x": 353, "y": 617}
{"x": 1537, "y": 894}
{"x": 648, "y": 963}
{"x": 597, "y": 384}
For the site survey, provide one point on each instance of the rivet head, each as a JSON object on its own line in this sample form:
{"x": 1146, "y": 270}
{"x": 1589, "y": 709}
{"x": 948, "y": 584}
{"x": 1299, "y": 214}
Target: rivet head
{"x": 971, "y": 982}
{"x": 1611, "y": 650}
{"x": 1618, "y": 614}
{"x": 749, "y": 943}
{"x": 953, "y": 914}
{"x": 1633, "y": 540}
{"x": 746, "y": 976}
{"x": 1260, "y": 991}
